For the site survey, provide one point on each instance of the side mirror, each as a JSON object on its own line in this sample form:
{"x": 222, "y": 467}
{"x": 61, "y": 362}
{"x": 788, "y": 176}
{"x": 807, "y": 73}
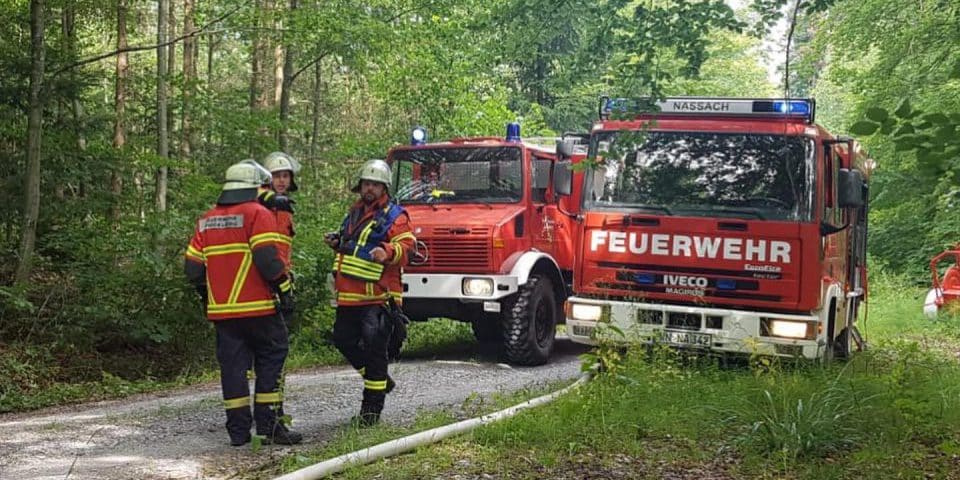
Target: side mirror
{"x": 850, "y": 188}
{"x": 566, "y": 147}
{"x": 562, "y": 178}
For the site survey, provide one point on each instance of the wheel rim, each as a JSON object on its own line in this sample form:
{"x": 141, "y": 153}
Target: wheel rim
{"x": 541, "y": 322}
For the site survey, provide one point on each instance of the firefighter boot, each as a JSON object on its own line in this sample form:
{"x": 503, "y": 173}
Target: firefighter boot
{"x": 370, "y": 408}
{"x": 238, "y": 425}
{"x": 271, "y": 426}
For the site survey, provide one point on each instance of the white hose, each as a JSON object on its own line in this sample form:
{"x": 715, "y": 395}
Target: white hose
{"x": 405, "y": 444}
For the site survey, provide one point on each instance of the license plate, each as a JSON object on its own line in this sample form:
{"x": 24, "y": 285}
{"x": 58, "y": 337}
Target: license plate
{"x": 686, "y": 339}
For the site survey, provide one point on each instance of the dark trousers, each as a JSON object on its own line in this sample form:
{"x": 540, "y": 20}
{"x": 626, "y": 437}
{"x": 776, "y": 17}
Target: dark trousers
{"x": 261, "y": 342}
{"x": 361, "y": 334}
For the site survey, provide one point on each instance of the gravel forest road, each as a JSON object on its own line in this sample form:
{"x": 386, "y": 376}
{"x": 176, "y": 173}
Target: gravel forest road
{"x": 180, "y": 434}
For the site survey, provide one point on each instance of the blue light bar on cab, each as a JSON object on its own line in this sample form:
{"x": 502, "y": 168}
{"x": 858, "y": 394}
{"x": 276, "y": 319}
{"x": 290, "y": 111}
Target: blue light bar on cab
{"x": 513, "y": 132}
{"x": 702, "y": 106}
{"x": 418, "y": 136}
{"x": 799, "y": 108}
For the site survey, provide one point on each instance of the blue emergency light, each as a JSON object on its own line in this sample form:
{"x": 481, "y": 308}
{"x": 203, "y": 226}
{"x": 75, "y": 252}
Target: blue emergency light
{"x": 726, "y": 284}
{"x": 798, "y": 108}
{"x": 645, "y": 278}
{"x": 513, "y": 132}
{"x": 418, "y": 136}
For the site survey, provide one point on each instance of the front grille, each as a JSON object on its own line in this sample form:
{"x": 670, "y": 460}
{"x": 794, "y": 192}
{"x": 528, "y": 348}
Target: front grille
{"x": 458, "y": 247}
{"x": 461, "y": 231}
{"x": 685, "y": 321}
{"x": 650, "y": 317}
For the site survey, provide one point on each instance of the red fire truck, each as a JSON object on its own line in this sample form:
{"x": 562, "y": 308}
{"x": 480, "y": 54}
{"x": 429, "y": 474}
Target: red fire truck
{"x": 727, "y": 225}
{"x": 495, "y": 244}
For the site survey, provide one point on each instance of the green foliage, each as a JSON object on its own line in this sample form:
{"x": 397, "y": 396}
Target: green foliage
{"x": 788, "y": 428}
{"x": 891, "y": 411}
{"x": 894, "y": 87}
{"x": 107, "y": 297}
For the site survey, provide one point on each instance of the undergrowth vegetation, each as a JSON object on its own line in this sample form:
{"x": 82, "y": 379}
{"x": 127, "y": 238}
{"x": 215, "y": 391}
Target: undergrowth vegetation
{"x": 893, "y": 411}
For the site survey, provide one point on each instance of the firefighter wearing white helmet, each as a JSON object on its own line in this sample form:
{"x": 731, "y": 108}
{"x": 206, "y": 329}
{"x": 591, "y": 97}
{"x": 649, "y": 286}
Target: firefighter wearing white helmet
{"x": 375, "y": 240}
{"x": 374, "y": 171}
{"x": 284, "y": 169}
{"x": 233, "y": 262}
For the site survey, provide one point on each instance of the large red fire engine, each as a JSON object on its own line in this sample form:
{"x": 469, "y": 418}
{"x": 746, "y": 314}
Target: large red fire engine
{"x": 727, "y": 225}
{"x": 495, "y": 244}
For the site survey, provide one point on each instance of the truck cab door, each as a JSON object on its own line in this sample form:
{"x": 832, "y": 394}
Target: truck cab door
{"x": 834, "y": 245}
{"x": 542, "y": 224}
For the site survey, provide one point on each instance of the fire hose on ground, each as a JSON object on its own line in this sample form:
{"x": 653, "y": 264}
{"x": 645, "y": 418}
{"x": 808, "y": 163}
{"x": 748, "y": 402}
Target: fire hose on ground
{"x": 411, "y": 442}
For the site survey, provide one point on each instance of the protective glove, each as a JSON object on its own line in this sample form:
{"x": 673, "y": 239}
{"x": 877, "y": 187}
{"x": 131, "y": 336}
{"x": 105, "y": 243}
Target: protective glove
{"x": 202, "y": 293}
{"x": 275, "y": 201}
{"x": 286, "y": 303}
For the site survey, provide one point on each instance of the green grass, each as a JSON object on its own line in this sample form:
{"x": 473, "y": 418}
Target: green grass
{"x": 891, "y": 412}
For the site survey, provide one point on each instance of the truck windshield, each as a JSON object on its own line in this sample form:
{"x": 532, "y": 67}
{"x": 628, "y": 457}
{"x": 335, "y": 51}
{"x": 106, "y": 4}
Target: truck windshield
{"x": 458, "y": 175}
{"x": 766, "y": 177}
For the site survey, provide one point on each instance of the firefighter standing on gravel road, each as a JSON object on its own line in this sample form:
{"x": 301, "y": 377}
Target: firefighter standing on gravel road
{"x": 374, "y": 242}
{"x": 233, "y": 262}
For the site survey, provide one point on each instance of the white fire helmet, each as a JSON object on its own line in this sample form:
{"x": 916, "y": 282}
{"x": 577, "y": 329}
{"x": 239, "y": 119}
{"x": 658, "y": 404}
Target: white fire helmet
{"x": 246, "y": 174}
{"x": 376, "y": 171}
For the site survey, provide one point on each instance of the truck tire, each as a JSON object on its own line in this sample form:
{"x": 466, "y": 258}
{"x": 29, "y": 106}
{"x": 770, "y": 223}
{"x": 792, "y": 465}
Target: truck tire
{"x": 843, "y": 345}
{"x": 530, "y": 323}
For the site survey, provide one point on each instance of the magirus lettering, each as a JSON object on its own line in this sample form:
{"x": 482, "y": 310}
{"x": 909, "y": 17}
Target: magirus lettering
{"x": 694, "y": 246}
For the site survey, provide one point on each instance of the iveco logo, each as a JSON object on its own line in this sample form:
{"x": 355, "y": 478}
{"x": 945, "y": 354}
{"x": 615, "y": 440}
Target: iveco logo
{"x": 684, "y": 281}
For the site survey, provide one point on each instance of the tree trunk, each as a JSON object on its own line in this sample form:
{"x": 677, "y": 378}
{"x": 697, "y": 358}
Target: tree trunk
{"x": 31, "y": 211}
{"x": 286, "y": 83}
{"x": 120, "y": 105}
{"x": 317, "y": 98}
{"x": 171, "y": 66}
{"x": 160, "y": 197}
{"x": 189, "y": 77}
{"x": 276, "y": 82}
{"x": 70, "y": 37}
{"x": 212, "y": 42}
{"x": 258, "y": 100}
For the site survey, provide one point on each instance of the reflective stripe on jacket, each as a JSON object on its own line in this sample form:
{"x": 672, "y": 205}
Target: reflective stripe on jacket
{"x": 359, "y": 279}
{"x": 236, "y": 248}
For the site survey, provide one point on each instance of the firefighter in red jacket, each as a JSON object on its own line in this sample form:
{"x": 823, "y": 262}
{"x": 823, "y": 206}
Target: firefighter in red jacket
{"x": 233, "y": 262}
{"x": 374, "y": 242}
{"x": 283, "y": 170}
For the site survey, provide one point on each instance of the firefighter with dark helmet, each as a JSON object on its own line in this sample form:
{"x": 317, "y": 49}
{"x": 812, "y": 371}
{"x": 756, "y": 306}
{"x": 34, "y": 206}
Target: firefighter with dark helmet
{"x": 375, "y": 240}
{"x": 234, "y": 263}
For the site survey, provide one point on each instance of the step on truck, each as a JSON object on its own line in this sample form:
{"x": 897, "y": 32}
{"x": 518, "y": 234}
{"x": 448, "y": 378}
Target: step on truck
{"x": 723, "y": 225}
{"x": 495, "y": 243}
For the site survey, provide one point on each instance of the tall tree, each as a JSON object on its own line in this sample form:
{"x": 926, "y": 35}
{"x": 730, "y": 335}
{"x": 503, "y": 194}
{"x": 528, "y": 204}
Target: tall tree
{"x": 258, "y": 99}
{"x": 317, "y": 107}
{"x": 69, "y": 24}
{"x": 160, "y": 199}
{"x": 189, "y": 77}
{"x": 171, "y": 60}
{"x": 31, "y": 211}
{"x": 286, "y": 84}
{"x": 120, "y": 106}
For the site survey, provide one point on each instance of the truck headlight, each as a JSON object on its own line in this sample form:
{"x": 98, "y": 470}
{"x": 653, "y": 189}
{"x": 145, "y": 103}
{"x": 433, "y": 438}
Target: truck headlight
{"x": 787, "y": 328}
{"x": 586, "y": 312}
{"x": 478, "y": 287}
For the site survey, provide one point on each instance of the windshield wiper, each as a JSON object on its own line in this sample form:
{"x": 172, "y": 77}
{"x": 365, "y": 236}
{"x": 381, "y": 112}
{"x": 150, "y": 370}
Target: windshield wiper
{"x": 740, "y": 211}
{"x": 655, "y": 208}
